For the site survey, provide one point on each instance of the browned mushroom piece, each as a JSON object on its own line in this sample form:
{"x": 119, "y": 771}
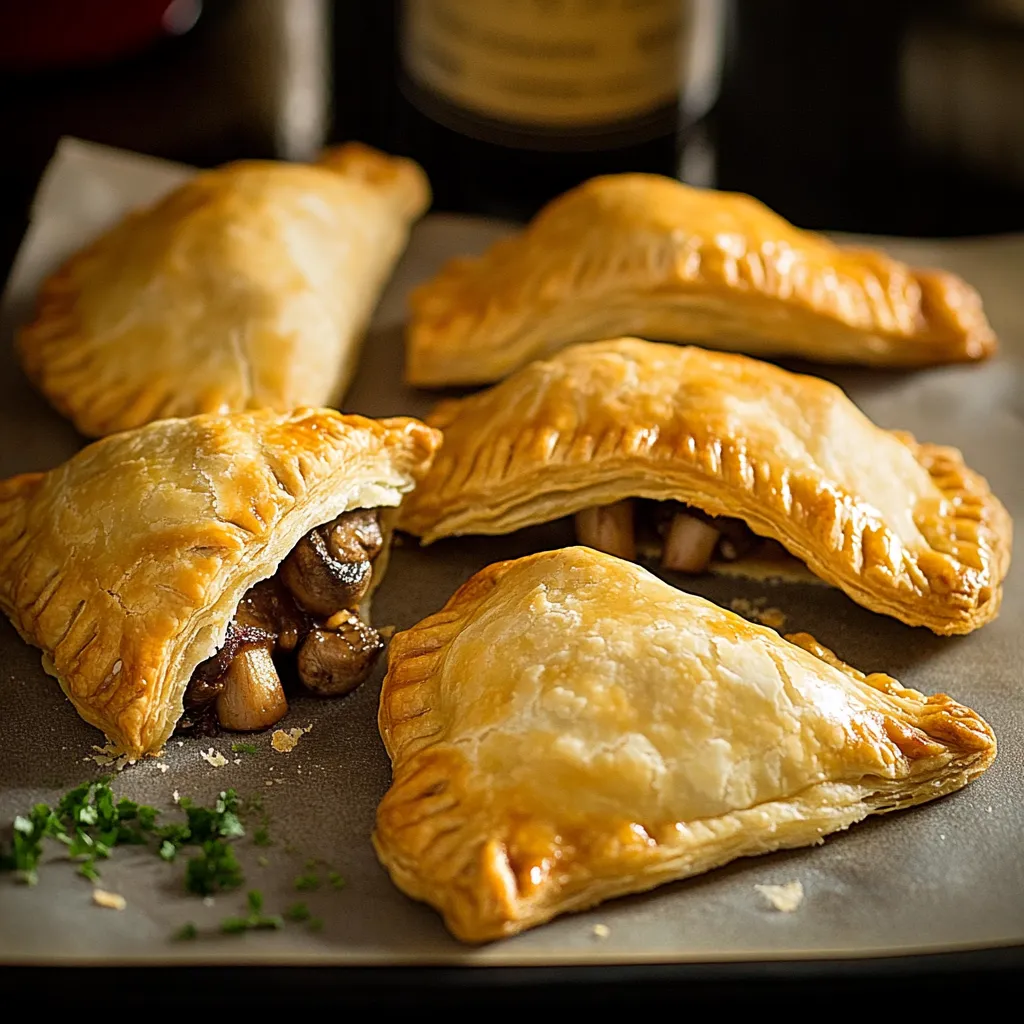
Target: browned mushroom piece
{"x": 334, "y": 660}
{"x": 608, "y": 528}
{"x": 320, "y": 583}
{"x": 689, "y": 544}
{"x": 354, "y": 536}
{"x": 252, "y": 697}
{"x": 270, "y": 606}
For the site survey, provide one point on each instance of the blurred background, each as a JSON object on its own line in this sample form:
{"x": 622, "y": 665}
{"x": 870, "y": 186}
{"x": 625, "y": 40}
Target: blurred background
{"x": 884, "y": 116}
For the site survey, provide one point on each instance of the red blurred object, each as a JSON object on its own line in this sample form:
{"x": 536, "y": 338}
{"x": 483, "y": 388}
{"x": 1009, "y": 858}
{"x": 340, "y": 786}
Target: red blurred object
{"x": 52, "y": 34}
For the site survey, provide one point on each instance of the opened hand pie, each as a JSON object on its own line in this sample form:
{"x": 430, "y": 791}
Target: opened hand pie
{"x": 570, "y": 728}
{"x": 162, "y": 571}
{"x": 247, "y": 287}
{"x": 646, "y": 255}
{"x": 723, "y": 450}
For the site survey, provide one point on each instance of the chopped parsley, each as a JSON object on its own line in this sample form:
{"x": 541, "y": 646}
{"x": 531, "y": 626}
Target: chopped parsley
{"x": 244, "y": 748}
{"x": 307, "y": 881}
{"x": 298, "y": 912}
{"x": 255, "y": 920}
{"x": 89, "y": 821}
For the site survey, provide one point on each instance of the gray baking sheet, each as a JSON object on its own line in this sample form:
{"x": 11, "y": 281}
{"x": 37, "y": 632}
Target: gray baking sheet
{"x": 945, "y": 876}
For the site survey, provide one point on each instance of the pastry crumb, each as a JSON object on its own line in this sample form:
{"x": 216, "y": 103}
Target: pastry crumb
{"x": 757, "y": 611}
{"x": 161, "y": 766}
{"x": 108, "y": 755}
{"x": 286, "y": 740}
{"x": 785, "y": 898}
{"x": 175, "y": 796}
{"x": 110, "y": 900}
{"x": 214, "y": 758}
{"x": 601, "y": 931}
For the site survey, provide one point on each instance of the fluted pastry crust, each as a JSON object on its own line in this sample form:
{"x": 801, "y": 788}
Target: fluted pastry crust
{"x": 903, "y": 528}
{"x": 646, "y": 255}
{"x": 570, "y": 728}
{"x": 125, "y": 565}
{"x": 247, "y": 287}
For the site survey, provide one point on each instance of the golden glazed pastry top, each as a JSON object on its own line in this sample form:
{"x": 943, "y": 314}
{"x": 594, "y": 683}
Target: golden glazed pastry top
{"x": 903, "y": 528}
{"x": 646, "y": 255}
{"x": 247, "y": 287}
{"x": 570, "y": 728}
{"x": 125, "y": 565}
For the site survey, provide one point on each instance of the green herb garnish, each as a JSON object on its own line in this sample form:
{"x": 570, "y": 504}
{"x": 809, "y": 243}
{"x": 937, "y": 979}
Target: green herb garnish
{"x": 337, "y": 882}
{"x": 261, "y": 837}
{"x": 297, "y": 912}
{"x": 87, "y": 820}
{"x": 307, "y": 882}
{"x": 244, "y": 748}
{"x": 255, "y": 920}
{"x": 186, "y": 932}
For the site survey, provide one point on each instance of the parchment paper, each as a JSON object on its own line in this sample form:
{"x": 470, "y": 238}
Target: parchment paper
{"x": 945, "y": 876}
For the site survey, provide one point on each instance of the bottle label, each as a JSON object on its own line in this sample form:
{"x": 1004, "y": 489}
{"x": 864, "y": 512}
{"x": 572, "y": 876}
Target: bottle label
{"x": 546, "y": 65}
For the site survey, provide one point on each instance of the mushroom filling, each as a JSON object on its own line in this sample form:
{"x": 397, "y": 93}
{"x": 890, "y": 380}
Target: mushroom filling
{"x": 684, "y": 538}
{"x": 307, "y": 613}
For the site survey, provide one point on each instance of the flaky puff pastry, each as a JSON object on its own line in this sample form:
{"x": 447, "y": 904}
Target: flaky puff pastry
{"x": 903, "y": 528}
{"x": 646, "y": 255}
{"x": 570, "y": 728}
{"x": 125, "y": 565}
{"x": 247, "y": 287}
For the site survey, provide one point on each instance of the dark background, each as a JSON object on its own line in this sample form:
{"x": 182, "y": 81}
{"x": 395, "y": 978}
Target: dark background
{"x": 811, "y": 117}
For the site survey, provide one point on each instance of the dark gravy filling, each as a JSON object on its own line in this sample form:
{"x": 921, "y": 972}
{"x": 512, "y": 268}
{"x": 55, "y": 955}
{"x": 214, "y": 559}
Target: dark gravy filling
{"x": 304, "y": 619}
{"x": 681, "y": 537}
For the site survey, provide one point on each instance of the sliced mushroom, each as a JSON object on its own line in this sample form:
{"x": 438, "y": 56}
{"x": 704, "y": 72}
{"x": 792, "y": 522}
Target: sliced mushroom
{"x": 689, "y": 544}
{"x": 608, "y": 528}
{"x": 335, "y": 659}
{"x": 321, "y": 584}
{"x": 252, "y": 697}
{"x": 270, "y": 606}
{"x": 354, "y": 536}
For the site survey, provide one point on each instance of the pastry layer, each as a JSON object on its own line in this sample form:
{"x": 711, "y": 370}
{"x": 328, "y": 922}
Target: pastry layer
{"x": 649, "y": 256}
{"x": 570, "y": 728}
{"x": 126, "y": 564}
{"x": 904, "y": 528}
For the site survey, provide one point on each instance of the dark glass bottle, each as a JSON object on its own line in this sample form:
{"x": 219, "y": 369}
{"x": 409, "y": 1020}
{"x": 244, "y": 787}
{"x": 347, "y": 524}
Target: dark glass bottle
{"x": 508, "y": 104}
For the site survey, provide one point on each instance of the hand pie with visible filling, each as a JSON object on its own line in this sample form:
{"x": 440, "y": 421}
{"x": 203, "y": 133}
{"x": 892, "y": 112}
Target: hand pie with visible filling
{"x": 247, "y": 287}
{"x": 645, "y": 255}
{"x": 570, "y": 728}
{"x": 721, "y": 451}
{"x": 175, "y": 568}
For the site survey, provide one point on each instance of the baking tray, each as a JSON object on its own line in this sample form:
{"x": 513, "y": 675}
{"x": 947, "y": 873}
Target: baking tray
{"x": 945, "y": 877}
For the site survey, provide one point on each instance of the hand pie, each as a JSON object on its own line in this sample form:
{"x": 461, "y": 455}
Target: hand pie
{"x": 569, "y": 728}
{"x": 247, "y": 287}
{"x": 159, "y": 570}
{"x": 646, "y": 255}
{"x": 903, "y": 528}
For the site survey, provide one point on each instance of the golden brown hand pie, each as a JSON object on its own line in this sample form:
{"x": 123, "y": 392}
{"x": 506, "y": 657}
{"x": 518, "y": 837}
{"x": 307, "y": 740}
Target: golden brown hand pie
{"x": 247, "y": 287}
{"x": 903, "y": 528}
{"x": 646, "y": 255}
{"x": 133, "y": 564}
{"x": 570, "y": 728}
